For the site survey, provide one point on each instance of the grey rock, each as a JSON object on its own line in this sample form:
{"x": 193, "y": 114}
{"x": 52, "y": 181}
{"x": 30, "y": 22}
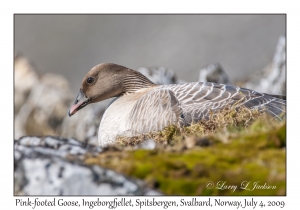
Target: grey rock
{"x": 159, "y": 75}
{"x": 84, "y": 125}
{"x": 46, "y": 104}
{"x": 213, "y": 73}
{"x": 272, "y": 79}
{"x": 55, "y": 166}
{"x": 25, "y": 77}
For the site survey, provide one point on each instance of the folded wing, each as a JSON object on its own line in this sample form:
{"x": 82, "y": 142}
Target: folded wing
{"x": 197, "y": 99}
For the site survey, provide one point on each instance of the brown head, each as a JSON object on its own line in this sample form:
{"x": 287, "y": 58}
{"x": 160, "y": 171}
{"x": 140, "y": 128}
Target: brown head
{"x": 105, "y": 81}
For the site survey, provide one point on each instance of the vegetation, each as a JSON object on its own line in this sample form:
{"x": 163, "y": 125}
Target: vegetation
{"x": 233, "y": 149}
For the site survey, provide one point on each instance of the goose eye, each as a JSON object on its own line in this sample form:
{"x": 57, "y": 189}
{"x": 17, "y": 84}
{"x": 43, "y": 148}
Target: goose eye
{"x": 90, "y": 80}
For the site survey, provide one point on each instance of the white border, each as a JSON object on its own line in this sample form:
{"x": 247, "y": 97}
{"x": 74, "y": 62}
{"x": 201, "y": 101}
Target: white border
{"x": 6, "y": 85}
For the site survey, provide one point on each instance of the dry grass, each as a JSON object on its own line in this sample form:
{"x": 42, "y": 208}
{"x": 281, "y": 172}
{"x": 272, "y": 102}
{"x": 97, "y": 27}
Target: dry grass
{"x": 224, "y": 122}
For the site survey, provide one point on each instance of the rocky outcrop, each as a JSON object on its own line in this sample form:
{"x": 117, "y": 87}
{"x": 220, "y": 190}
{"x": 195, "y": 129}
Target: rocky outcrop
{"x": 213, "y": 73}
{"x": 24, "y": 80}
{"x": 159, "y": 75}
{"x": 272, "y": 79}
{"x": 41, "y": 101}
{"x": 55, "y": 166}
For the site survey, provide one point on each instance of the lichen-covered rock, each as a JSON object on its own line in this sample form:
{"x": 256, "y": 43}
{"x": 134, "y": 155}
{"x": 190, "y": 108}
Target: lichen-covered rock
{"x": 42, "y": 102}
{"x": 54, "y": 166}
{"x": 84, "y": 125}
{"x": 24, "y": 80}
{"x": 213, "y": 73}
{"x": 272, "y": 78}
{"x": 159, "y": 75}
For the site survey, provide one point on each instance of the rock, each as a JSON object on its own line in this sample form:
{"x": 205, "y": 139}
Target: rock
{"x": 81, "y": 126}
{"x": 41, "y": 101}
{"x": 159, "y": 75}
{"x": 24, "y": 80}
{"x": 84, "y": 125}
{"x": 213, "y": 73}
{"x": 55, "y": 166}
{"x": 272, "y": 78}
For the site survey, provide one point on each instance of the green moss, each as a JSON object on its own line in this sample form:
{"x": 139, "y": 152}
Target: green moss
{"x": 142, "y": 170}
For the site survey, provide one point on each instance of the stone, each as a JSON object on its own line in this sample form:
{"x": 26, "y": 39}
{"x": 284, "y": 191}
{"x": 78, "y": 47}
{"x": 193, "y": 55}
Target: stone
{"x": 55, "y": 166}
{"x": 213, "y": 73}
{"x": 272, "y": 79}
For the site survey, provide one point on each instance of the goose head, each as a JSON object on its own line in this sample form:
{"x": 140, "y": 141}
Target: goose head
{"x": 105, "y": 81}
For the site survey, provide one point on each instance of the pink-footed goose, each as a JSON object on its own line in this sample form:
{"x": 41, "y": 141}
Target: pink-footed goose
{"x": 142, "y": 106}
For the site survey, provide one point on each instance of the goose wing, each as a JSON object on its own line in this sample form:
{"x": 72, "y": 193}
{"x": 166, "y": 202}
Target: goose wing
{"x": 197, "y": 99}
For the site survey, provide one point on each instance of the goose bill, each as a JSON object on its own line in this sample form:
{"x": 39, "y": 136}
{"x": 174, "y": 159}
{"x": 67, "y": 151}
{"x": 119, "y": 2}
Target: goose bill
{"x": 80, "y": 102}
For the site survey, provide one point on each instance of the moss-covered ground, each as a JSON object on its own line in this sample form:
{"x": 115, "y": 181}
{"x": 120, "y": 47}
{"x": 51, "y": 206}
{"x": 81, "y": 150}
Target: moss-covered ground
{"x": 234, "y": 153}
